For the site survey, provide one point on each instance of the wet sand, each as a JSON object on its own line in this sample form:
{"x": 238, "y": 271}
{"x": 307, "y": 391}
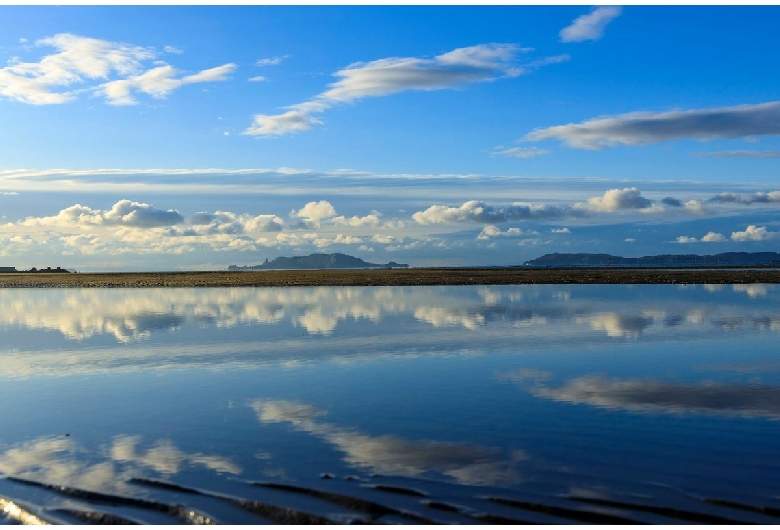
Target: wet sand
{"x": 393, "y": 277}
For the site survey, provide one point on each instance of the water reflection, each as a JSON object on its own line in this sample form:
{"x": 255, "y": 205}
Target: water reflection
{"x": 745, "y": 400}
{"x": 393, "y": 455}
{"x": 62, "y": 460}
{"x": 173, "y": 328}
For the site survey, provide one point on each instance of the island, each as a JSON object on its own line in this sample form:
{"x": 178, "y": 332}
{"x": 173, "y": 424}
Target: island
{"x": 318, "y": 262}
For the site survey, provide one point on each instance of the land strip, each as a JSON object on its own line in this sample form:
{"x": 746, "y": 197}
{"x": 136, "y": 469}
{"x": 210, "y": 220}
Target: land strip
{"x": 394, "y": 277}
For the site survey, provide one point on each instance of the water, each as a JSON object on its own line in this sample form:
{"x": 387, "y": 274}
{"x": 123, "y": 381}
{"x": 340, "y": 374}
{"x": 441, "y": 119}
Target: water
{"x": 571, "y": 403}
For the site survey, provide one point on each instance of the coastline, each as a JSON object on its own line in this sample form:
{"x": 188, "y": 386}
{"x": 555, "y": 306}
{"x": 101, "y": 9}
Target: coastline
{"x": 391, "y": 277}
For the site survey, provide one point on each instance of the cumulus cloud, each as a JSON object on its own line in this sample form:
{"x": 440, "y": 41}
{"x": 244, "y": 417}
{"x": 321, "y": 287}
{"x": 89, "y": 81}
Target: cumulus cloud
{"x": 651, "y": 127}
{"x": 590, "y": 26}
{"x": 123, "y": 213}
{"x": 78, "y": 63}
{"x": 686, "y": 239}
{"x": 372, "y": 219}
{"x": 563, "y": 230}
{"x": 759, "y": 197}
{"x": 480, "y": 63}
{"x": 617, "y": 199}
{"x": 314, "y": 212}
{"x": 493, "y": 231}
{"x": 520, "y": 152}
{"x": 713, "y": 237}
{"x": 726, "y": 197}
{"x": 754, "y": 233}
{"x": 230, "y": 223}
{"x": 762, "y": 197}
{"x": 479, "y": 212}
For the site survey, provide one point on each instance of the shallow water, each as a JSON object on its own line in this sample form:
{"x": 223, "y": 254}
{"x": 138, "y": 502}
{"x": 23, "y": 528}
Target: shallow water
{"x": 595, "y": 403}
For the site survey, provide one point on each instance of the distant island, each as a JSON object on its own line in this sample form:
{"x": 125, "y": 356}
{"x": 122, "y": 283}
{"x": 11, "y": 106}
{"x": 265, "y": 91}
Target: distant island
{"x": 318, "y": 261}
{"x": 663, "y": 260}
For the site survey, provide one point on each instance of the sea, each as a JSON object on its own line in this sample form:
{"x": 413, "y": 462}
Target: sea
{"x": 563, "y": 404}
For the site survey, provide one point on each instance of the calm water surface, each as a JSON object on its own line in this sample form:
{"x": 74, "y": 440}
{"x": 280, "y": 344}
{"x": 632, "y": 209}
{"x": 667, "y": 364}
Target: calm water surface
{"x": 587, "y": 401}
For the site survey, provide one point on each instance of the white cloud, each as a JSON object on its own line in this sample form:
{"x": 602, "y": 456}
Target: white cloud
{"x": 651, "y": 127}
{"x": 686, "y": 239}
{"x": 123, "y": 213}
{"x": 590, "y": 26}
{"x": 492, "y": 231}
{"x": 762, "y": 197}
{"x": 79, "y": 62}
{"x": 257, "y": 79}
{"x": 315, "y": 212}
{"x": 754, "y": 233}
{"x": 271, "y": 61}
{"x": 479, "y": 212}
{"x": 563, "y": 230}
{"x": 713, "y": 237}
{"x": 695, "y": 206}
{"x": 158, "y": 82}
{"x": 484, "y": 62}
{"x": 617, "y": 199}
{"x": 355, "y": 221}
{"x": 521, "y": 152}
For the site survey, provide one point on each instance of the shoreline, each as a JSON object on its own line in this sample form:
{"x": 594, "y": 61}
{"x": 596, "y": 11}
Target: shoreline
{"x": 391, "y": 277}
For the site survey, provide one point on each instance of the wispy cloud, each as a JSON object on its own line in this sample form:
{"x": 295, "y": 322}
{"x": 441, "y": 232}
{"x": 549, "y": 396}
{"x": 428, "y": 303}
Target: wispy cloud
{"x": 739, "y": 153}
{"x": 81, "y": 65}
{"x": 590, "y": 26}
{"x": 520, "y": 152}
{"x": 271, "y": 61}
{"x": 484, "y": 62}
{"x": 651, "y": 127}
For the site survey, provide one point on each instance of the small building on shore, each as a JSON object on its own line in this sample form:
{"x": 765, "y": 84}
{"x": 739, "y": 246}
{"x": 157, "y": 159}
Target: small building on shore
{"x": 8, "y": 269}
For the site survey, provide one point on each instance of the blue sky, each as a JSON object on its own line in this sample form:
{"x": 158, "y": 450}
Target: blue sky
{"x": 155, "y": 138}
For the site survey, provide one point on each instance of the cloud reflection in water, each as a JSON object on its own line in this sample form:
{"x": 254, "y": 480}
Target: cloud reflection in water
{"x": 393, "y": 455}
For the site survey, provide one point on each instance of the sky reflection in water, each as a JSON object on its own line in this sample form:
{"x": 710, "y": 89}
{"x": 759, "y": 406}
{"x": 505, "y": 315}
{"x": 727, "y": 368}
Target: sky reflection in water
{"x": 562, "y": 388}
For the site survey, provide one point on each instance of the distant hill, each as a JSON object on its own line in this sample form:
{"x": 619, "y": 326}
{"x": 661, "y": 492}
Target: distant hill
{"x": 663, "y": 260}
{"x": 318, "y": 261}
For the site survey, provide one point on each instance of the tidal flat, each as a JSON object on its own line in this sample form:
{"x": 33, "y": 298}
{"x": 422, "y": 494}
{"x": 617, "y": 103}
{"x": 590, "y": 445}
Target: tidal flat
{"x": 465, "y": 404}
{"x": 396, "y": 277}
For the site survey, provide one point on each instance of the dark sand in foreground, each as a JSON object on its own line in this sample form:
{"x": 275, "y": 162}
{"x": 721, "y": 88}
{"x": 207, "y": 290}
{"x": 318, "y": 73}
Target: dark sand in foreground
{"x": 386, "y": 277}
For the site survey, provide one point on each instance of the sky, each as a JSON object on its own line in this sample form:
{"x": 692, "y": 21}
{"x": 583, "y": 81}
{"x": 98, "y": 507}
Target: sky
{"x": 196, "y": 137}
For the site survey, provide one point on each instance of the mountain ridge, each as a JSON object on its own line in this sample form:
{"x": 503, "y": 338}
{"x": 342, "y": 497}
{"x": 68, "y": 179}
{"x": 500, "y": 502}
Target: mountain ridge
{"x": 335, "y": 260}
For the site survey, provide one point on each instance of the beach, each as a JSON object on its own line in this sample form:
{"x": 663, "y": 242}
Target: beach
{"x": 394, "y": 277}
